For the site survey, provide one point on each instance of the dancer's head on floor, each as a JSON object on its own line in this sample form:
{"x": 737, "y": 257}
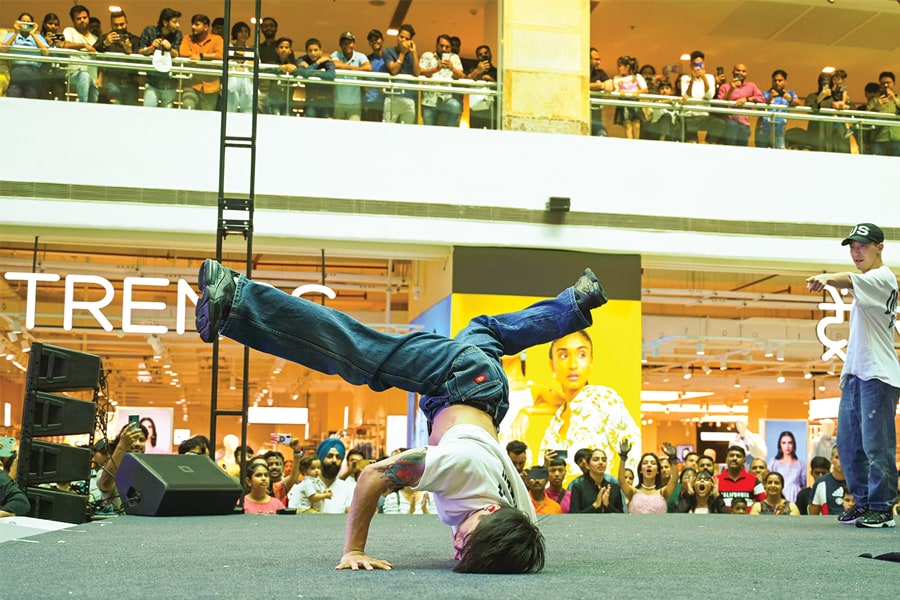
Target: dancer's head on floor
{"x": 503, "y": 540}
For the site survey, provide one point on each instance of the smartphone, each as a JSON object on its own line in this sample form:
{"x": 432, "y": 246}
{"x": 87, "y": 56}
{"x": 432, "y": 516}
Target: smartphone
{"x": 134, "y": 419}
{"x": 536, "y": 473}
{"x": 25, "y": 25}
{"x": 445, "y": 57}
{"x": 7, "y": 444}
{"x": 281, "y": 438}
{"x": 563, "y": 454}
{"x": 720, "y": 70}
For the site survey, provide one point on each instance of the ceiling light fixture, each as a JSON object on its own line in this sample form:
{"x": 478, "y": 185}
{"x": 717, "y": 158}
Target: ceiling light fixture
{"x": 780, "y": 354}
{"x": 687, "y": 373}
{"x": 807, "y": 374}
{"x": 768, "y": 351}
{"x": 723, "y": 364}
{"x": 706, "y": 368}
{"x": 700, "y": 350}
{"x": 737, "y": 382}
{"x": 780, "y": 378}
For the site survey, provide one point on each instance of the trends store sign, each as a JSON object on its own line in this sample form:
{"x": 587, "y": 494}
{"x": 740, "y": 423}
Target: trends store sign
{"x": 98, "y": 309}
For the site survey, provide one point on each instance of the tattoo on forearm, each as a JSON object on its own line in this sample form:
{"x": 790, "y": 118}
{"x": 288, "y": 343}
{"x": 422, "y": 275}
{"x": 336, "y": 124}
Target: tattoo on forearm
{"x": 407, "y": 470}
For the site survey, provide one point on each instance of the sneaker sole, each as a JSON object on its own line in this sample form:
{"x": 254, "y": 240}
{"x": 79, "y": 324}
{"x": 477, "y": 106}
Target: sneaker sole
{"x": 890, "y": 523}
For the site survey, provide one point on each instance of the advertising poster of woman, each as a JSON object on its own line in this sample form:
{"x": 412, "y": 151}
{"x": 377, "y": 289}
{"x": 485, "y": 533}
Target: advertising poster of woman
{"x": 158, "y": 422}
{"x": 786, "y": 441}
{"x": 580, "y": 391}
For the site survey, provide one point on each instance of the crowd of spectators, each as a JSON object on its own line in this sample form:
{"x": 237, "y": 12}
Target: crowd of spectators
{"x": 311, "y": 63}
{"x": 696, "y": 484}
{"x": 657, "y": 118}
{"x": 323, "y": 481}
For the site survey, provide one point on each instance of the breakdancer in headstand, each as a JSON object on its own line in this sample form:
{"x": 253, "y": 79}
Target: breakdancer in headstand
{"x": 464, "y": 391}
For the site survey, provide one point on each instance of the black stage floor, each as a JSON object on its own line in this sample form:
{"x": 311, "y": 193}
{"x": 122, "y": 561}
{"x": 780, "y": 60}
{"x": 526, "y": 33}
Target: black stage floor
{"x": 588, "y": 556}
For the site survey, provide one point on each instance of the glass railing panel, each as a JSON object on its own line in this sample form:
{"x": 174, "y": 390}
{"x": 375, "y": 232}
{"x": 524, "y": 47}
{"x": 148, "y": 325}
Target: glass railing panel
{"x": 137, "y": 80}
{"x": 671, "y": 118}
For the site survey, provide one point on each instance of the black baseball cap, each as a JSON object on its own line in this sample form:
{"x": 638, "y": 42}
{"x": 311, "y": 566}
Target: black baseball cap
{"x": 347, "y": 36}
{"x": 864, "y": 233}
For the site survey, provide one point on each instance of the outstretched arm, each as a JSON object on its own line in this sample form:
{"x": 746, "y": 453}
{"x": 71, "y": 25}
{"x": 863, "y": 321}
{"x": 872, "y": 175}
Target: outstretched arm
{"x": 817, "y": 283}
{"x": 404, "y": 469}
{"x": 624, "y": 449}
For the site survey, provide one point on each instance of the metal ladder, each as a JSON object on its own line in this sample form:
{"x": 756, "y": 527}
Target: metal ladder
{"x": 237, "y": 152}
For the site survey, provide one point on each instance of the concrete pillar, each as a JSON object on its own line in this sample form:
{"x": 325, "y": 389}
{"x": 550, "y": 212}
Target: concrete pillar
{"x": 546, "y": 66}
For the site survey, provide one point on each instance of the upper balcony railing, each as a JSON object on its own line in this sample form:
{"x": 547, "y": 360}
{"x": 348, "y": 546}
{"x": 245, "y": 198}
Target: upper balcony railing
{"x": 463, "y": 102}
{"x": 285, "y": 93}
{"x": 673, "y": 118}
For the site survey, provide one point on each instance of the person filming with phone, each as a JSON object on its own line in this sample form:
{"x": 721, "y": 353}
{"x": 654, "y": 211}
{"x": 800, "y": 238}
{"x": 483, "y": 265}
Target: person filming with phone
{"x": 739, "y": 91}
{"x": 25, "y": 75}
{"x": 886, "y": 141}
{"x": 441, "y": 108}
{"x": 132, "y": 438}
{"x": 121, "y": 85}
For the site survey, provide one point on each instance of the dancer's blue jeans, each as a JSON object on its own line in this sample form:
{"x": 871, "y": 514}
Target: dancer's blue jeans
{"x": 866, "y": 440}
{"x": 462, "y": 370}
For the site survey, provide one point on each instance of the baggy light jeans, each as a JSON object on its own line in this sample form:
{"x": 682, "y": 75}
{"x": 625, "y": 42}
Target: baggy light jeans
{"x": 866, "y": 440}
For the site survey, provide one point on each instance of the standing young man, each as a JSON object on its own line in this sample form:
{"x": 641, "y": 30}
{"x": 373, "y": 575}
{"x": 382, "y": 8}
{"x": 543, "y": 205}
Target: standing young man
{"x": 870, "y": 380}
{"x": 79, "y": 37}
{"x": 464, "y": 396}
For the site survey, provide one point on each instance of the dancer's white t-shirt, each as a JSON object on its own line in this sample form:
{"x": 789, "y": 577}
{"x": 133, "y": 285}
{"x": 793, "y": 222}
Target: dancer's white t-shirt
{"x": 467, "y": 471}
{"x": 870, "y": 352}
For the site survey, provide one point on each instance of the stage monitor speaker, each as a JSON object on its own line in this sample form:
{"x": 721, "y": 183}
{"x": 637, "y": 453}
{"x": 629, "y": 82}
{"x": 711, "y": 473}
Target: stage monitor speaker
{"x": 61, "y": 415}
{"x": 56, "y": 505}
{"x": 51, "y": 462}
{"x": 63, "y": 369}
{"x": 167, "y": 485}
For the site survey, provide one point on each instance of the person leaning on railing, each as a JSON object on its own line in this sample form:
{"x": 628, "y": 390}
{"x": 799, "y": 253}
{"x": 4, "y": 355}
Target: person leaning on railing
{"x": 79, "y": 37}
{"x": 828, "y": 136}
{"x": 163, "y": 42}
{"x": 886, "y": 139}
{"x": 202, "y": 45}
{"x": 25, "y": 75}
{"x": 121, "y": 85}
{"x": 481, "y": 107}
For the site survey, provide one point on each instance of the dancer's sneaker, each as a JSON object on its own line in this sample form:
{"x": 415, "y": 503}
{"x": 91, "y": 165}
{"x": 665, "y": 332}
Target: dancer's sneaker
{"x": 217, "y": 285}
{"x": 849, "y": 517}
{"x": 589, "y": 293}
{"x": 877, "y": 518}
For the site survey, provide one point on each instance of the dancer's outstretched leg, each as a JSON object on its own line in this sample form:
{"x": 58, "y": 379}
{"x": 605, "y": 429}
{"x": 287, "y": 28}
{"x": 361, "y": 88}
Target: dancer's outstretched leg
{"x": 319, "y": 337}
{"x": 542, "y": 322}
{"x": 332, "y": 342}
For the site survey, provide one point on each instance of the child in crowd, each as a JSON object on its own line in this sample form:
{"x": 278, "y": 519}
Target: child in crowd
{"x": 311, "y": 491}
{"x": 739, "y": 506}
{"x": 849, "y": 501}
{"x": 556, "y": 475}
{"x": 629, "y": 83}
{"x": 258, "y": 501}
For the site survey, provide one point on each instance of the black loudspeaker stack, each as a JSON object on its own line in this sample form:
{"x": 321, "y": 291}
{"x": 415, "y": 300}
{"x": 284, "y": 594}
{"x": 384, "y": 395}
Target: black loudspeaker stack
{"x": 46, "y": 414}
{"x": 175, "y": 484}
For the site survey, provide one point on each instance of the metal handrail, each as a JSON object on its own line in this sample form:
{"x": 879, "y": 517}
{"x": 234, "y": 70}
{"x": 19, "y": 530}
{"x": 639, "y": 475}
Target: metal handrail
{"x": 185, "y": 68}
{"x": 750, "y": 109}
